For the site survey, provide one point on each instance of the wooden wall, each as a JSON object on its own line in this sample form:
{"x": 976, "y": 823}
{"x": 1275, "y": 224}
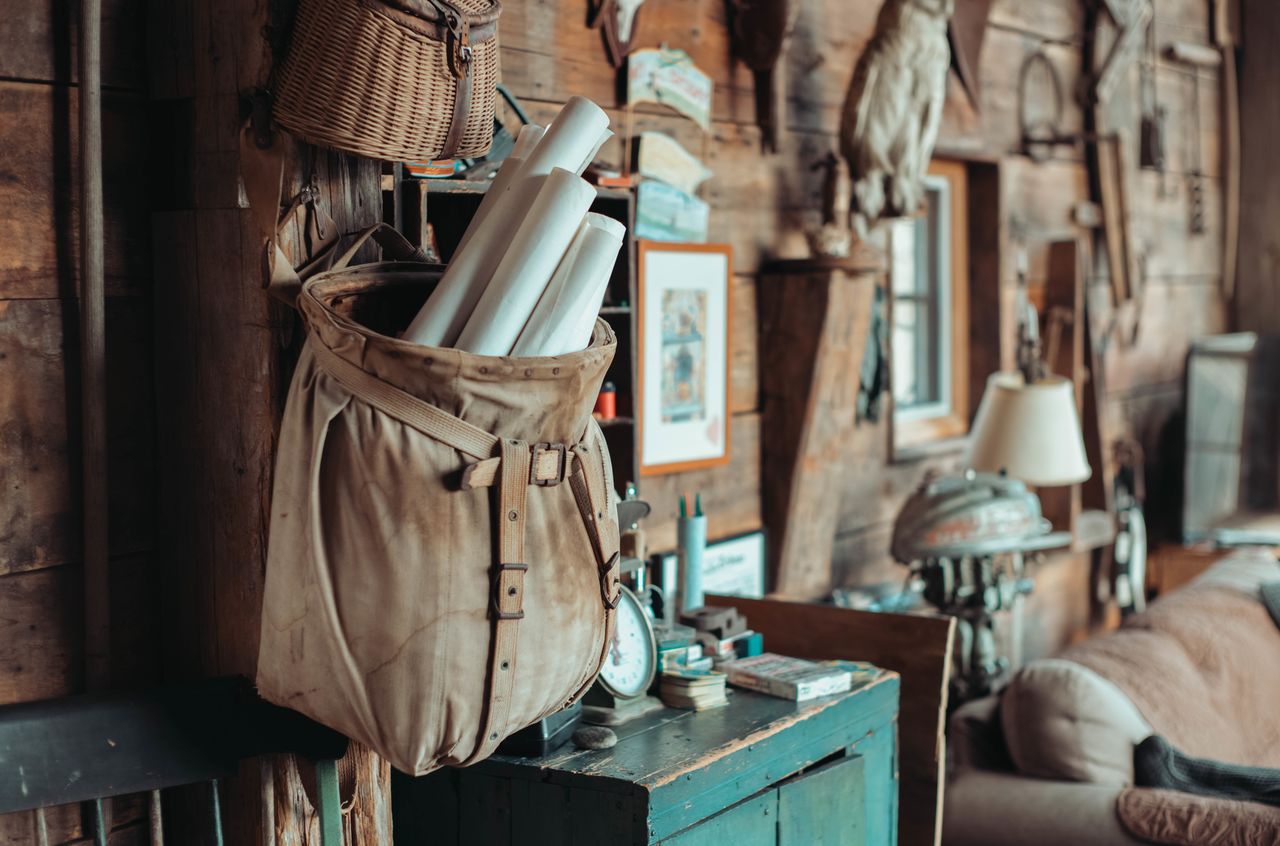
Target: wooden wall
{"x": 1257, "y": 305}
{"x": 761, "y": 205}
{"x": 41, "y": 599}
{"x": 202, "y": 54}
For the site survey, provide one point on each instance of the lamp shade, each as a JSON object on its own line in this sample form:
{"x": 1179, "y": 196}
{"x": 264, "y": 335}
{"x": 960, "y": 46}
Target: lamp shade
{"x": 1032, "y": 432}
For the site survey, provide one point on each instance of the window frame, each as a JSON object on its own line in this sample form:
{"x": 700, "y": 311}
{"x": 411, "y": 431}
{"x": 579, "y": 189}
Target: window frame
{"x": 947, "y": 419}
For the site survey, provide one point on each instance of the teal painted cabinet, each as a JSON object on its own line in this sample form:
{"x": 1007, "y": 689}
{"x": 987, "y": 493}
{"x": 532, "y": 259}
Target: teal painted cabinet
{"x": 761, "y": 772}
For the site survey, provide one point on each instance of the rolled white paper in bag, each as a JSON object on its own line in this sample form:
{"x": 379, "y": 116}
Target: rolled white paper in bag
{"x": 528, "y": 264}
{"x": 507, "y": 174}
{"x": 572, "y": 139}
{"x": 566, "y": 313}
{"x": 442, "y": 317}
{"x": 529, "y": 136}
{"x": 570, "y": 143}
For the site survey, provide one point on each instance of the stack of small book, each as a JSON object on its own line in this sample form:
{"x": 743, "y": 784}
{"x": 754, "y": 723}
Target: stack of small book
{"x": 793, "y": 678}
{"x": 696, "y": 689}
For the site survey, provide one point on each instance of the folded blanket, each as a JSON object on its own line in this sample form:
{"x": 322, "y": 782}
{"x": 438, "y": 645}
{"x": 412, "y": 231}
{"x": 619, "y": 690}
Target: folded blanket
{"x": 1171, "y": 817}
{"x": 1271, "y": 599}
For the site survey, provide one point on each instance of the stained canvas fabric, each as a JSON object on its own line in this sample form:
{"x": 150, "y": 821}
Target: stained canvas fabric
{"x": 442, "y": 563}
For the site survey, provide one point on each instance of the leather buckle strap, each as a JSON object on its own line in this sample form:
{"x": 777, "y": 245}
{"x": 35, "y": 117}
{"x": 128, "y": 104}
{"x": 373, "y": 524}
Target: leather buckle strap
{"x": 508, "y": 591}
{"x": 537, "y": 470}
{"x": 605, "y": 570}
{"x": 549, "y": 465}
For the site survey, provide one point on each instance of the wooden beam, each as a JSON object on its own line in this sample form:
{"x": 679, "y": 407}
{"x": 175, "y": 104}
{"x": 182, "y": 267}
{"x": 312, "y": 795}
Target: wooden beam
{"x": 813, "y": 333}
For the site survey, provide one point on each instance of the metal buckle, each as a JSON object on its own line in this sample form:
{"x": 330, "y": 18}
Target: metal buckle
{"x": 535, "y": 451}
{"x": 495, "y": 593}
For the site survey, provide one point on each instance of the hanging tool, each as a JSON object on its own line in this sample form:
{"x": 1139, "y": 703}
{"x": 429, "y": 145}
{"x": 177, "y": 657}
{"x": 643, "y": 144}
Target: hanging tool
{"x": 1195, "y": 57}
{"x": 965, "y": 34}
{"x": 1151, "y": 146}
{"x": 1226, "y": 26}
{"x": 760, "y": 30}
{"x": 1130, "y": 18}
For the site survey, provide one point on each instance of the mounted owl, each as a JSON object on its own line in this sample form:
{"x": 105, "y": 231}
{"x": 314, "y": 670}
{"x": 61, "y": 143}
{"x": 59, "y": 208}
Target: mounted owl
{"x": 891, "y": 114}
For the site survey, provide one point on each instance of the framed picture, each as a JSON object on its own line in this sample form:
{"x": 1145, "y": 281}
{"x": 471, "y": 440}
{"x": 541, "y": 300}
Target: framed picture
{"x": 683, "y": 356}
{"x": 731, "y": 567}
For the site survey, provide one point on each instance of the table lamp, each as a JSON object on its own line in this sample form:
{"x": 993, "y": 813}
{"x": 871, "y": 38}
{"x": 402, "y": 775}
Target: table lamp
{"x": 1027, "y": 423}
{"x": 1029, "y": 430}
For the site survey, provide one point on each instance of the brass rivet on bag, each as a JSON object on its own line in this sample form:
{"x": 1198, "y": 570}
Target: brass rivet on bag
{"x": 484, "y": 370}
{"x": 512, "y": 515}
{"x": 506, "y": 665}
{"x": 511, "y": 591}
{"x": 493, "y": 736}
{"x": 528, "y": 371}
{"x": 555, "y": 371}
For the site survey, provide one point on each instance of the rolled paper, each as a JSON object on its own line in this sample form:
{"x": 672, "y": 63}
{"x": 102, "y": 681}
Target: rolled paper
{"x": 441, "y": 319}
{"x": 508, "y": 173}
{"x": 529, "y": 136}
{"x": 566, "y": 313}
{"x": 536, "y": 250}
{"x": 572, "y": 139}
{"x": 569, "y": 143}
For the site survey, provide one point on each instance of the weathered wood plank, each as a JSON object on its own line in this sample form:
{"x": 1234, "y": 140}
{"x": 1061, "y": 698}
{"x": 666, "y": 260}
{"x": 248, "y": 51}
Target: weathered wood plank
{"x": 39, "y": 191}
{"x": 1257, "y": 305}
{"x": 39, "y": 460}
{"x": 1168, "y": 316}
{"x": 730, "y": 492}
{"x": 40, "y": 43}
{"x": 813, "y": 334}
{"x": 41, "y": 628}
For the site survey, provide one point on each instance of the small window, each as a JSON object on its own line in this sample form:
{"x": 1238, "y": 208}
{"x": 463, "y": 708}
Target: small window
{"x": 929, "y": 328}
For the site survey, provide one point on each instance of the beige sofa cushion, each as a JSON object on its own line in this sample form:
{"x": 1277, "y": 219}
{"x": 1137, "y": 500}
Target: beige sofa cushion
{"x": 1201, "y": 667}
{"x": 1063, "y": 721}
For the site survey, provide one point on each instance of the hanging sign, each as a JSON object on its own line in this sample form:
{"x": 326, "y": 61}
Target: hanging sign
{"x": 669, "y": 77}
{"x": 662, "y": 158}
{"x": 664, "y": 213}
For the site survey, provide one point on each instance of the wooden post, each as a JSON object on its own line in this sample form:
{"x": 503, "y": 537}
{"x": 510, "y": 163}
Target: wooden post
{"x": 224, "y": 357}
{"x": 93, "y": 353}
{"x": 814, "y": 318}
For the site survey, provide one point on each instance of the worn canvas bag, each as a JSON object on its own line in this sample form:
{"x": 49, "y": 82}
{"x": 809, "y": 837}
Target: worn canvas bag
{"x": 443, "y": 556}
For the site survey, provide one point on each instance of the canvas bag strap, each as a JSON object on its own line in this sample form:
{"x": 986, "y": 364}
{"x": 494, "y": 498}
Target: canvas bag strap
{"x": 507, "y": 602}
{"x": 408, "y": 409}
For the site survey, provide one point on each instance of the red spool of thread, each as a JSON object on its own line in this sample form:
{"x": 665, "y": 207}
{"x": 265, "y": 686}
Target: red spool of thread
{"x": 607, "y": 403}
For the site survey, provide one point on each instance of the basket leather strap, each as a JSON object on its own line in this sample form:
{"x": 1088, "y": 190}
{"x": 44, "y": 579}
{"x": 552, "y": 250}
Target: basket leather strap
{"x": 463, "y": 77}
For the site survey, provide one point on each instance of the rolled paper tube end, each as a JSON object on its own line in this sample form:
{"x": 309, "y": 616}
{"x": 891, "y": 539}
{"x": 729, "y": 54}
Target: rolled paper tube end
{"x": 530, "y": 135}
{"x": 607, "y": 224}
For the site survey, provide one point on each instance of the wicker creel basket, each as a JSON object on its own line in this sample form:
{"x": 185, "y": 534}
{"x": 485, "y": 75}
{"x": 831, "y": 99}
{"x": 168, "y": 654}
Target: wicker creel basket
{"x": 392, "y": 79}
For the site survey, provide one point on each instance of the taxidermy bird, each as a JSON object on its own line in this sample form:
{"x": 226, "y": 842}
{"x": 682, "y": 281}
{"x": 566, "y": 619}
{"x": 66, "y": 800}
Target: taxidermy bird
{"x": 893, "y": 109}
{"x": 760, "y": 31}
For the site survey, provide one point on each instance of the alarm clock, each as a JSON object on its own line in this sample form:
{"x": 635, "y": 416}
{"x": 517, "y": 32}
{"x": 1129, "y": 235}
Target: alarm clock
{"x": 629, "y": 666}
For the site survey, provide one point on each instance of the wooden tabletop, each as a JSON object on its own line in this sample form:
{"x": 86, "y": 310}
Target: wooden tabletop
{"x": 682, "y": 765}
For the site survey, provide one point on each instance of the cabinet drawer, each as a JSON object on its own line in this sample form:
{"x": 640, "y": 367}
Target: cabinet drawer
{"x": 824, "y": 807}
{"x": 752, "y": 822}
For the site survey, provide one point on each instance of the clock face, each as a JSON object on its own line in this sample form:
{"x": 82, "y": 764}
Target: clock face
{"x": 629, "y": 664}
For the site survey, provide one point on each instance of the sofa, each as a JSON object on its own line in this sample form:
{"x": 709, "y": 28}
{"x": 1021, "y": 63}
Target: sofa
{"x": 1049, "y": 759}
